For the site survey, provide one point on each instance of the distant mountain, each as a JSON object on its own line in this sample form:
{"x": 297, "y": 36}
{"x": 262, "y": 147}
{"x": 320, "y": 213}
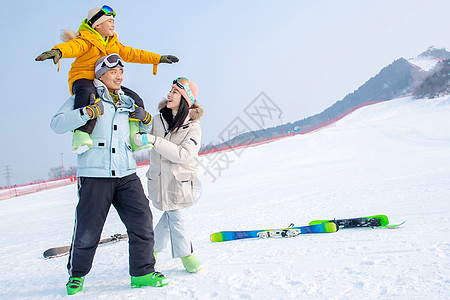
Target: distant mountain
{"x": 436, "y": 53}
{"x": 437, "y": 82}
{"x": 425, "y": 76}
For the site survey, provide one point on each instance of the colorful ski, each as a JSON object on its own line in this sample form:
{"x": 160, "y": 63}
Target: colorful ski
{"x": 371, "y": 221}
{"x": 64, "y": 250}
{"x": 284, "y": 232}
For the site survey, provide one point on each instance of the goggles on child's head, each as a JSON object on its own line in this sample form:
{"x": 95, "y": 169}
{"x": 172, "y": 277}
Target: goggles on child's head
{"x": 183, "y": 83}
{"x": 105, "y": 10}
{"x": 111, "y": 61}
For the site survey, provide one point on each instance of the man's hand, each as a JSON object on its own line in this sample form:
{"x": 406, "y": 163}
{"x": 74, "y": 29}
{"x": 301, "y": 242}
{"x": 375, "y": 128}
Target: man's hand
{"x": 54, "y": 53}
{"x": 168, "y": 59}
{"x": 95, "y": 108}
{"x": 140, "y": 114}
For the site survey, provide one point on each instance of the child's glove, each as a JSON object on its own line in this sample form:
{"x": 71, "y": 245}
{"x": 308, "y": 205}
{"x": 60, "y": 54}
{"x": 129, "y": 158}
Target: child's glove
{"x": 54, "y": 53}
{"x": 142, "y": 139}
{"x": 168, "y": 59}
{"x": 95, "y": 106}
{"x": 140, "y": 114}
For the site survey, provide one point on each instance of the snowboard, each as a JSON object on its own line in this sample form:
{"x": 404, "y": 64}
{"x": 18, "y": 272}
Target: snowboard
{"x": 290, "y": 231}
{"x": 370, "y": 221}
{"x": 64, "y": 250}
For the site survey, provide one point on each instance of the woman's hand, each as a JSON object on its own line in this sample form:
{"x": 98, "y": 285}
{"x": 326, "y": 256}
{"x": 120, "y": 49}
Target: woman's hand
{"x": 142, "y": 139}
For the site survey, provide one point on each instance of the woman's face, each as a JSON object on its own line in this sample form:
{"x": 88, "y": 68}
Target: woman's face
{"x": 173, "y": 99}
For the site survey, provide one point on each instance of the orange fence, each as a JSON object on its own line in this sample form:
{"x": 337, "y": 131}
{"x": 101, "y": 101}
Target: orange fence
{"x": 24, "y": 189}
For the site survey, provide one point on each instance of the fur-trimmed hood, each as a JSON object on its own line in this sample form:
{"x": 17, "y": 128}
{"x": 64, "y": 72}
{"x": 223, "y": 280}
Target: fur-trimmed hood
{"x": 68, "y": 35}
{"x": 195, "y": 112}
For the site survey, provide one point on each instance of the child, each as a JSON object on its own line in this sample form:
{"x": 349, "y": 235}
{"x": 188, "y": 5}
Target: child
{"x": 96, "y": 38}
{"x": 172, "y": 175}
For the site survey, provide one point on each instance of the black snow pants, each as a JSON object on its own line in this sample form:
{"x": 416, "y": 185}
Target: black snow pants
{"x": 95, "y": 198}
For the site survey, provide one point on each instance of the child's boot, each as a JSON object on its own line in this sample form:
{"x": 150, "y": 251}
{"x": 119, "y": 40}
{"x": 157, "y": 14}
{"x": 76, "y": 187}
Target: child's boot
{"x": 134, "y": 128}
{"x": 81, "y": 142}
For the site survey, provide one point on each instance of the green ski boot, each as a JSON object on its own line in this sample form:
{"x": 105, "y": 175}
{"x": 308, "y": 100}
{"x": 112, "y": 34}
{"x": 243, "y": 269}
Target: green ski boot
{"x": 153, "y": 279}
{"x": 74, "y": 285}
{"x": 81, "y": 142}
{"x": 192, "y": 264}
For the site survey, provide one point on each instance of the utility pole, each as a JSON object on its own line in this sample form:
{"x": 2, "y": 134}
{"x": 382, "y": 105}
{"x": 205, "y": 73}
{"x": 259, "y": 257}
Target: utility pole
{"x": 8, "y": 175}
{"x": 62, "y": 165}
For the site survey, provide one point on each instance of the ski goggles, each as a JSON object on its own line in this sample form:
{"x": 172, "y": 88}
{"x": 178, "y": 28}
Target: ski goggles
{"x": 105, "y": 10}
{"x": 183, "y": 82}
{"x": 111, "y": 61}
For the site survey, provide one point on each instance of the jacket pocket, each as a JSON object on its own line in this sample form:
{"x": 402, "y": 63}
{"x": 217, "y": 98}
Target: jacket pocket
{"x": 130, "y": 161}
{"x": 181, "y": 190}
{"x": 95, "y": 157}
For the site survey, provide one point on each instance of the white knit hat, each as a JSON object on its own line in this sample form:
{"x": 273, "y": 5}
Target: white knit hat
{"x": 93, "y": 12}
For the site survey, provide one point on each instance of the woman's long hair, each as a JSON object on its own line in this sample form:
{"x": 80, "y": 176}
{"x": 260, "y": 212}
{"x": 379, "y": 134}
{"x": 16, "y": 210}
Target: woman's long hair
{"x": 176, "y": 122}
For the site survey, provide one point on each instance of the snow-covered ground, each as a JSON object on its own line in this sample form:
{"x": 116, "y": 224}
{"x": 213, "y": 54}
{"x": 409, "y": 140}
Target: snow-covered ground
{"x": 392, "y": 158}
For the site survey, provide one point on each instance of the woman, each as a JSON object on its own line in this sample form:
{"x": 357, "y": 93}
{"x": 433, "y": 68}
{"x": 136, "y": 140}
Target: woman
{"x": 172, "y": 175}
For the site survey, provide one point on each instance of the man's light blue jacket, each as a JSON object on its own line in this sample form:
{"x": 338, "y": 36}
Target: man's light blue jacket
{"x": 111, "y": 153}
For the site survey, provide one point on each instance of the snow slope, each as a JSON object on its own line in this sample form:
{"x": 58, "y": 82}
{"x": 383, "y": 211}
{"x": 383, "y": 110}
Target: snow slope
{"x": 424, "y": 63}
{"x": 391, "y": 158}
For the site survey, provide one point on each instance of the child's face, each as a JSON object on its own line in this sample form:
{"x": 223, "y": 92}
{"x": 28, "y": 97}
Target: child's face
{"x": 106, "y": 28}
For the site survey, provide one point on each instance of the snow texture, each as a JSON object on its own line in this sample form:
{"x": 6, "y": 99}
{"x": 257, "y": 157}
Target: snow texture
{"x": 391, "y": 158}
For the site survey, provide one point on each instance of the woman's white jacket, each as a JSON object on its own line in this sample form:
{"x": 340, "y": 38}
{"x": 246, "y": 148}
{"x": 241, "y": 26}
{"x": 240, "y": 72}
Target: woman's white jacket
{"x": 172, "y": 175}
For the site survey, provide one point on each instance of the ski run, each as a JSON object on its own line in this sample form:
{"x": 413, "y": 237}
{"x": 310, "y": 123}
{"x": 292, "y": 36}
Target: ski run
{"x": 391, "y": 158}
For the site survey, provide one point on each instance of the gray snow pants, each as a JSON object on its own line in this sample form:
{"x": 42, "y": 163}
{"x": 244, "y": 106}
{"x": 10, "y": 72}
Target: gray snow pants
{"x": 171, "y": 226}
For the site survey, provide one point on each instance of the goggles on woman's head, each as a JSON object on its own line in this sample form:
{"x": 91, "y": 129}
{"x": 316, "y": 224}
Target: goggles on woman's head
{"x": 183, "y": 83}
{"x": 111, "y": 61}
{"x": 105, "y": 10}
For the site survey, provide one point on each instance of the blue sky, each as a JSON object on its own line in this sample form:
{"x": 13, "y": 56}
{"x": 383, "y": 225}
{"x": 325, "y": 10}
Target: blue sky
{"x": 304, "y": 55}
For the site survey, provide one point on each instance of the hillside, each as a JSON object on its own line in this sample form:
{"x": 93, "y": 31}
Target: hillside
{"x": 425, "y": 76}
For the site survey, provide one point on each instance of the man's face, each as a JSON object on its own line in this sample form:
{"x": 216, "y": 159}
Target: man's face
{"x": 112, "y": 79}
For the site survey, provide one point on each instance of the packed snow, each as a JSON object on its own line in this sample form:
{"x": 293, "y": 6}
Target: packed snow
{"x": 390, "y": 158}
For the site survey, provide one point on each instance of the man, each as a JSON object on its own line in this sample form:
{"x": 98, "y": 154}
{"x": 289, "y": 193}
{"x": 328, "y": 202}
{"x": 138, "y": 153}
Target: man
{"x": 107, "y": 175}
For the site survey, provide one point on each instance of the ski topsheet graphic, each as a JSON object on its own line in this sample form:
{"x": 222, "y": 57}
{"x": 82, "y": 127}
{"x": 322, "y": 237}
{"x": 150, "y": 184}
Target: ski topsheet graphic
{"x": 290, "y": 231}
{"x": 371, "y": 221}
{"x": 64, "y": 250}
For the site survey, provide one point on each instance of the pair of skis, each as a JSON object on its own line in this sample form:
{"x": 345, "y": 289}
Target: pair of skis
{"x": 316, "y": 226}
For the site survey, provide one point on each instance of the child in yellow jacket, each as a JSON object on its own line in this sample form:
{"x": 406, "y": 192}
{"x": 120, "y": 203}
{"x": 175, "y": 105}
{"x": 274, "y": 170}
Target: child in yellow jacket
{"x": 97, "y": 38}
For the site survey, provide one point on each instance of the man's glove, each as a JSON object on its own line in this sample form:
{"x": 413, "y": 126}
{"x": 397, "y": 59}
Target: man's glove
{"x": 142, "y": 139}
{"x": 140, "y": 114}
{"x": 95, "y": 106}
{"x": 54, "y": 53}
{"x": 168, "y": 59}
